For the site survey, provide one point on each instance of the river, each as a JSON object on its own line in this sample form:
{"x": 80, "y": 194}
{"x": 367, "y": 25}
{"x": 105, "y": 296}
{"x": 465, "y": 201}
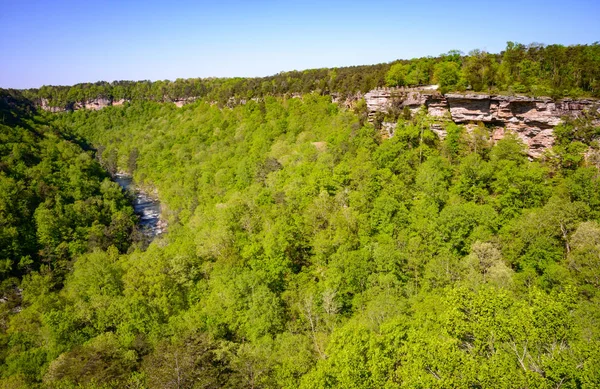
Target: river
{"x": 146, "y": 207}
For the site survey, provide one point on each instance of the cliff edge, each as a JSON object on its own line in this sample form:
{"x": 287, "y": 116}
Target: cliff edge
{"x": 532, "y": 118}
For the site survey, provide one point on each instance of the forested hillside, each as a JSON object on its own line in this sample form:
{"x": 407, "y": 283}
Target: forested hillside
{"x": 535, "y": 69}
{"x": 303, "y": 251}
{"x": 57, "y": 202}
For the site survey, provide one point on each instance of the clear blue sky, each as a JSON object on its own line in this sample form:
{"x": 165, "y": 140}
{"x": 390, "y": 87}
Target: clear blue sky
{"x": 60, "y": 42}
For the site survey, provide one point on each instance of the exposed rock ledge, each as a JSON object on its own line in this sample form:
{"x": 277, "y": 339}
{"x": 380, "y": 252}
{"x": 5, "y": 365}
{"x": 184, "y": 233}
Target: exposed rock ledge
{"x": 94, "y": 104}
{"x": 532, "y": 118}
{"x": 99, "y": 103}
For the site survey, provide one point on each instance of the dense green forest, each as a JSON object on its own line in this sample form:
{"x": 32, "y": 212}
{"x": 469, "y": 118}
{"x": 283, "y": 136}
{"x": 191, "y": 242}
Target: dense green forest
{"x": 303, "y": 249}
{"x": 56, "y": 201}
{"x": 535, "y": 69}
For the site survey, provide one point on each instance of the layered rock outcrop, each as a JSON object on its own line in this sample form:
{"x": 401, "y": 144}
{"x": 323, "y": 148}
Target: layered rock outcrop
{"x": 183, "y": 101}
{"x": 387, "y": 99}
{"x": 94, "y": 104}
{"x": 45, "y": 105}
{"x": 101, "y": 102}
{"x": 532, "y": 118}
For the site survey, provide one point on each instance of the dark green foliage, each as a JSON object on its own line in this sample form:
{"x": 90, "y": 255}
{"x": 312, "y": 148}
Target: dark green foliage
{"x": 56, "y": 202}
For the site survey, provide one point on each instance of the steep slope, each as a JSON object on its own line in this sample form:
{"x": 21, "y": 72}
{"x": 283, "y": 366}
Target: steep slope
{"x": 306, "y": 251}
{"x": 532, "y": 119}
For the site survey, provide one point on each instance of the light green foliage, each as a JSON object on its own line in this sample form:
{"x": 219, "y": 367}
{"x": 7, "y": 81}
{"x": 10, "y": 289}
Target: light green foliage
{"x": 416, "y": 72}
{"x": 573, "y": 138}
{"x": 480, "y": 70}
{"x": 397, "y": 75}
{"x": 303, "y": 251}
{"x": 447, "y": 75}
{"x": 535, "y": 69}
{"x": 584, "y": 259}
{"x": 485, "y": 262}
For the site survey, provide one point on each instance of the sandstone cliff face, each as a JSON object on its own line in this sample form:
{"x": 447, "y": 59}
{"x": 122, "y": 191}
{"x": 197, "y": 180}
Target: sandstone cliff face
{"x": 387, "y": 99}
{"x": 100, "y": 103}
{"x": 45, "y": 105}
{"x": 94, "y": 105}
{"x": 532, "y": 119}
{"x": 183, "y": 101}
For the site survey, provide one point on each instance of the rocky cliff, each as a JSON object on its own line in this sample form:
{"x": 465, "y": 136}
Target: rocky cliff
{"x": 99, "y": 103}
{"x": 531, "y": 118}
{"x": 94, "y": 104}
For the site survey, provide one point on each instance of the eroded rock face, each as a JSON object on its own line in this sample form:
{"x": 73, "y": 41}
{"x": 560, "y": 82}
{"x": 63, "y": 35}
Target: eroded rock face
{"x": 181, "y": 102}
{"x": 532, "y": 118}
{"x": 94, "y": 105}
{"x": 469, "y": 108}
{"x": 437, "y": 106}
{"x": 388, "y": 99}
{"x": 45, "y": 105}
{"x": 346, "y": 101}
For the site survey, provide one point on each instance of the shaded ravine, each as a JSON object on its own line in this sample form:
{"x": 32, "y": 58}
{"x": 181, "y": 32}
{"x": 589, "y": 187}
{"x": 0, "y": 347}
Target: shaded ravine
{"x": 146, "y": 207}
